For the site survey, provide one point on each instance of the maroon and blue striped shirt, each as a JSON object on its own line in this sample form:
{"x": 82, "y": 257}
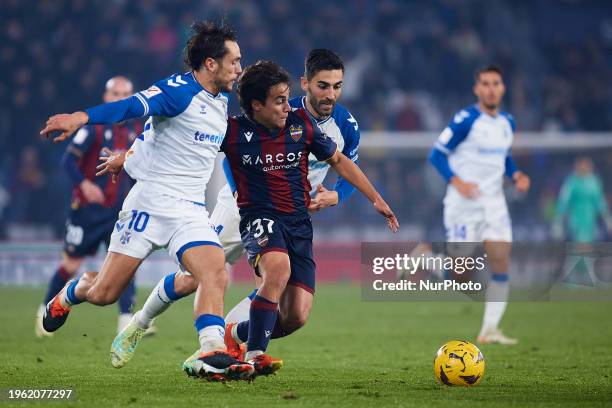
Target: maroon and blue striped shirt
{"x": 270, "y": 169}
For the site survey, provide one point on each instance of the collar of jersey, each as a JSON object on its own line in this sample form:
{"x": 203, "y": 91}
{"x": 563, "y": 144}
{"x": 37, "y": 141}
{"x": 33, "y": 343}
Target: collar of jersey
{"x": 477, "y": 107}
{"x": 258, "y": 125}
{"x": 319, "y": 122}
{"x": 199, "y": 85}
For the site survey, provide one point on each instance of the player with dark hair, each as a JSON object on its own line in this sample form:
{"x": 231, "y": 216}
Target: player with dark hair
{"x": 165, "y": 208}
{"x": 267, "y": 152}
{"x": 322, "y": 82}
{"x": 95, "y": 202}
{"x": 473, "y": 155}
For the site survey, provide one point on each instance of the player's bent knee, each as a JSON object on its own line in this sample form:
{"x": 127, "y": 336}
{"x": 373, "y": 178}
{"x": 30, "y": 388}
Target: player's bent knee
{"x": 216, "y": 277}
{"x": 298, "y": 321}
{"x": 276, "y": 279}
{"x": 102, "y": 295}
{"x": 88, "y": 279}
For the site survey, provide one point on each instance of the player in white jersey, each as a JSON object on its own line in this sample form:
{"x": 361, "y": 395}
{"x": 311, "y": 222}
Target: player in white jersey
{"x": 322, "y": 82}
{"x": 165, "y": 208}
{"x": 473, "y": 155}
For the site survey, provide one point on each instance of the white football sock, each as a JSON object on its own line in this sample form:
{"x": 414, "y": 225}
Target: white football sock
{"x": 240, "y": 312}
{"x": 157, "y": 303}
{"x": 495, "y": 305}
{"x": 211, "y": 339}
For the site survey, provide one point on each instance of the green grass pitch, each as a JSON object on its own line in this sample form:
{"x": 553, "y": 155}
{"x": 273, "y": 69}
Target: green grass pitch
{"x": 351, "y": 353}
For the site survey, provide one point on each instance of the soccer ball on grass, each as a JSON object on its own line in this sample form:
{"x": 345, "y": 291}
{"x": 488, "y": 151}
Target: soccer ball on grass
{"x": 459, "y": 362}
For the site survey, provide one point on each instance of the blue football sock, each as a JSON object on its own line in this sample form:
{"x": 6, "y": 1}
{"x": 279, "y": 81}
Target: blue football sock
{"x": 169, "y": 287}
{"x": 70, "y": 295}
{"x": 262, "y": 318}
{"x": 242, "y": 330}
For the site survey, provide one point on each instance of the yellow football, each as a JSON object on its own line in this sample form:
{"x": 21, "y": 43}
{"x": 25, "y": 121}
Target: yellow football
{"x": 459, "y": 362}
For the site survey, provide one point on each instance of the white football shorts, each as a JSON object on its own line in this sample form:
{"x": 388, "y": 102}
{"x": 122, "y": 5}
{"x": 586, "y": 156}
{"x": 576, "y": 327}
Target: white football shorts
{"x": 477, "y": 220}
{"x": 150, "y": 220}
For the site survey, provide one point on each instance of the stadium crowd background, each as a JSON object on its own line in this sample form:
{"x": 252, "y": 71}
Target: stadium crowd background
{"x": 409, "y": 67}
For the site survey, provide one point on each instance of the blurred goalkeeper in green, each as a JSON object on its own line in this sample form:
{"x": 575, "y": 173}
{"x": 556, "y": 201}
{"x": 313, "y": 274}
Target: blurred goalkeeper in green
{"x": 581, "y": 200}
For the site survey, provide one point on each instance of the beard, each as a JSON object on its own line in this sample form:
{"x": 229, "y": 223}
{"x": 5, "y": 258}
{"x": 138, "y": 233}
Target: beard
{"x": 316, "y": 105}
{"x": 224, "y": 86}
{"x": 491, "y": 106}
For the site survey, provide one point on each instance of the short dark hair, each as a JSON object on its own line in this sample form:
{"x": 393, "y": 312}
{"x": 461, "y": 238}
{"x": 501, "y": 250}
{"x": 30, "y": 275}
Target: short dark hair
{"x": 487, "y": 68}
{"x": 207, "y": 41}
{"x": 256, "y": 81}
{"x": 321, "y": 59}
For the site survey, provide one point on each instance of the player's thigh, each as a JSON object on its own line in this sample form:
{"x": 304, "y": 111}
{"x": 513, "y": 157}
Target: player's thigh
{"x": 295, "y": 306}
{"x": 275, "y": 268}
{"x": 299, "y": 236}
{"x": 195, "y": 244}
{"x": 206, "y": 263}
{"x": 115, "y": 274}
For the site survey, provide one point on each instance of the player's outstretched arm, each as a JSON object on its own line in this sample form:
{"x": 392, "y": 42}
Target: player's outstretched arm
{"x": 107, "y": 113}
{"x": 347, "y": 169}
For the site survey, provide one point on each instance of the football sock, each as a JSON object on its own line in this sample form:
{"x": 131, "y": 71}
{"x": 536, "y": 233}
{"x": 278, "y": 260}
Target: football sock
{"x": 69, "y": 298}
{"x": 211, "y": 329}
{"x": 496, "y": 299}
{"x": 240, "y": 331}
{"x": 128, "y": 298}
{"x": 241, "y": 311}
{"x": 262, "y": 318}
{"x": 58, "y": 280}
{"x": 160, "y": 299}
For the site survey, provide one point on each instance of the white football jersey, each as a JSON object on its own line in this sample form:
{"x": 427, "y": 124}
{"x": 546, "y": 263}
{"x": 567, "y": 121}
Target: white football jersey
{"x": 183, "y": 136}
{"x": 343, "y": 129}
{"x": 477, "y": 146}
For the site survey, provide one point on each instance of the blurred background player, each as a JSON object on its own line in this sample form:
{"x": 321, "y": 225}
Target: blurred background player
{"x": 322, "y": 82}
{"x": 582, "y": 202}
{"x": 95, "y": 201}
{"x": 473, "y": 154}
